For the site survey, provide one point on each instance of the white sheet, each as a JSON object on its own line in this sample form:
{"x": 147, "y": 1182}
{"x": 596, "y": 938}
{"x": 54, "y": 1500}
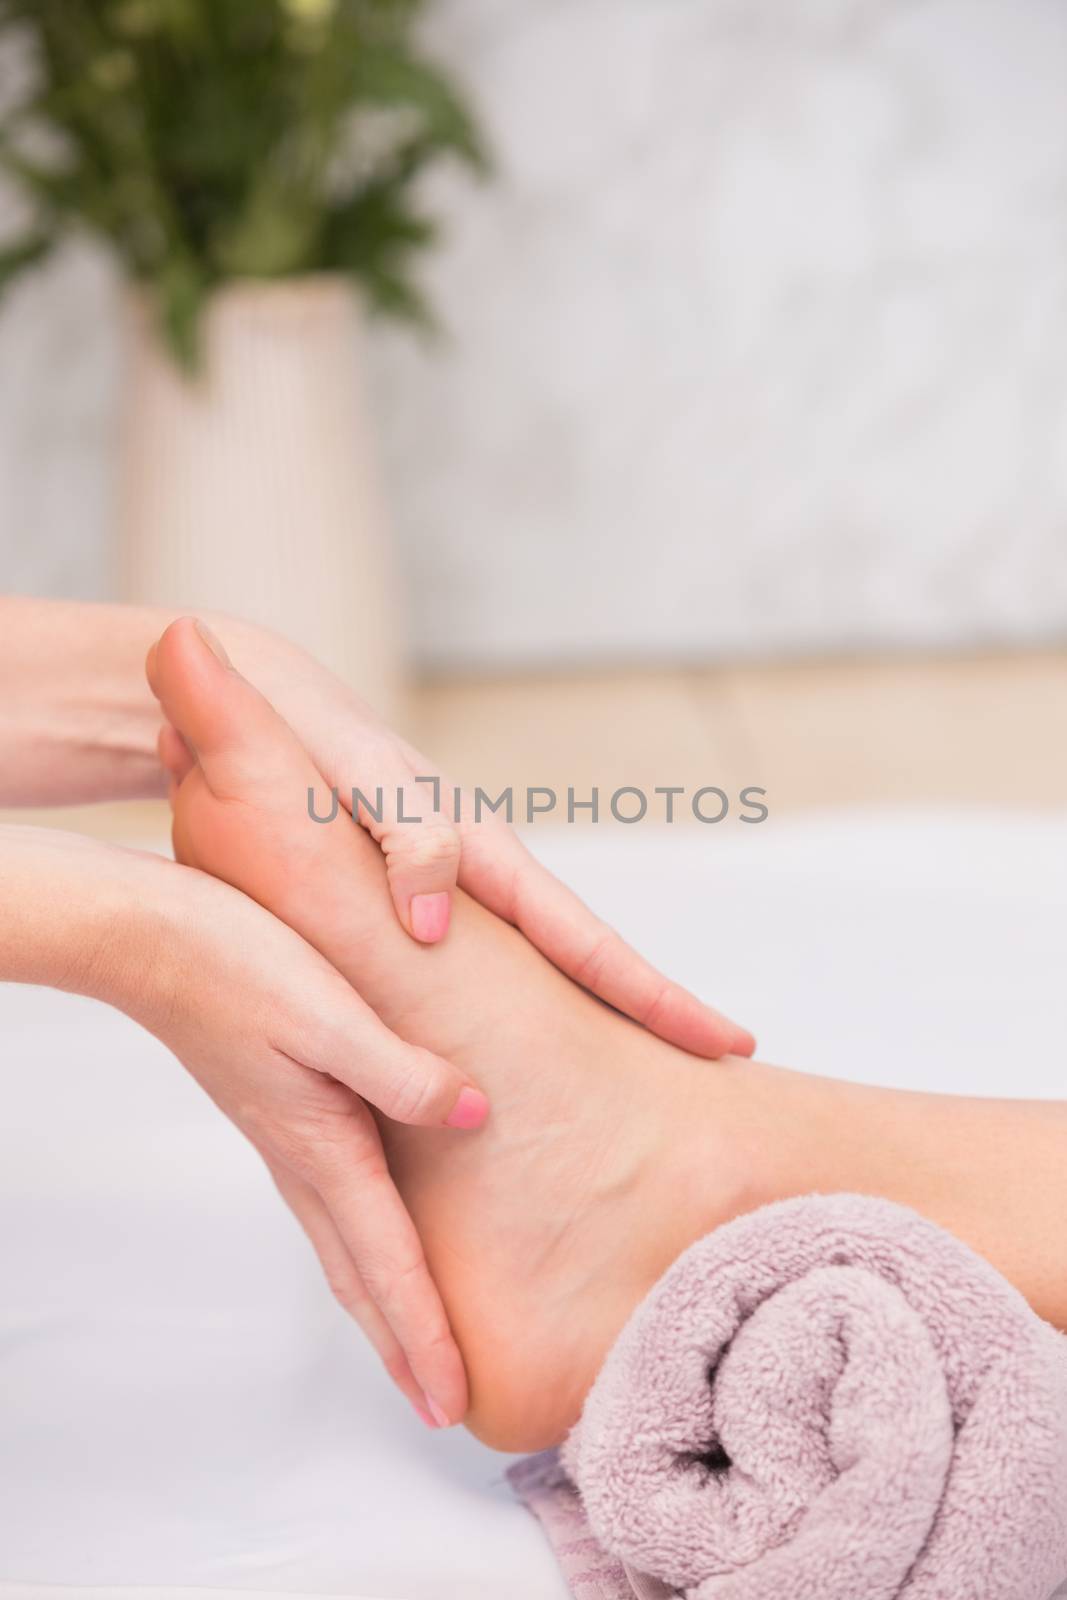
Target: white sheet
{"x": 180, "y": 1403}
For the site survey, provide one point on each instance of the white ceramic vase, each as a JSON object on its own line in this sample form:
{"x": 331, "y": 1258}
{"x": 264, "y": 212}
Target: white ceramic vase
{"x": 252, "y": 487}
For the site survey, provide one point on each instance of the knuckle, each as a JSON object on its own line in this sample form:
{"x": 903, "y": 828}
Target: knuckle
{"x": 292, "y": 1148}
{"x": 396, "y": 1282}
{"x": 261, "y": 1121}
{"x": 436, "y": 1334}
{"x": 428, "y": 845}
{"x": 347, "y": 1289}
{"x": 326, "y": 1035}
{"x": 592, "y": 965}
{"x": 657, "y": 1004}
{"x": 396, "y": 1364}
{"x": 351, "y": 1164}
{"x": 416, "y": 1091}
{"x": 316, "y": 1137}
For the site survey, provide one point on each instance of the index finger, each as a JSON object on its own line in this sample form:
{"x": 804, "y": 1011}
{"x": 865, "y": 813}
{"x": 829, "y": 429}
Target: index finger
{"x": 355, "y": 1185}
{"x": 344, "y": 1281}
{"x": 499, "y": 871}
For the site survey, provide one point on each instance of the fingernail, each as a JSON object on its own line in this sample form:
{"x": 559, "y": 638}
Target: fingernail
{"x": 210, "y": 640}
{"x": 469, "y": 1111}
{"x": 429, "y": 916}
{"x": 440, "y": 1420}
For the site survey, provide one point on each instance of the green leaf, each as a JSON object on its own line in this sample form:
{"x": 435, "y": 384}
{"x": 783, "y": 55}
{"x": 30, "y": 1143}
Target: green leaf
{"x": 181, "y": 294}
{"x": 377, "y": 224}
{"x": 207, "y": 140}
{"x": 53, "y": 186}
{"x": 273, "y": 236}
{"x": 24, "y": 253}
{"x": 390, "y": 77}
{"x": 394, "y": 295}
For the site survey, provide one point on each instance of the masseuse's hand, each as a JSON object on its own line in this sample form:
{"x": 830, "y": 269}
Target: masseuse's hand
{"x": 354, "y": 748}
{"x": 279, "y": 1041}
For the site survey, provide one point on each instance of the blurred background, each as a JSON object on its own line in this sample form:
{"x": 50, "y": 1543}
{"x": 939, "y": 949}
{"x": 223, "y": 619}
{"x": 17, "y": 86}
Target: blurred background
{"x": 739, "y": 455}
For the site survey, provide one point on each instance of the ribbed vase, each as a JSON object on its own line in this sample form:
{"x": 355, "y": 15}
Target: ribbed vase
{"x": 252, "y": 487}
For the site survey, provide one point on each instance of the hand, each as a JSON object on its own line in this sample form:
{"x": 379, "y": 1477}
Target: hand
{"x": 279, "y": 1041}
{"x": 351, "y": 746}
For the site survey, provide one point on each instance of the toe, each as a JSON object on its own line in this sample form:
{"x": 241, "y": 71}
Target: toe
{"x": 175, "y": 757}
{"x": 238, "y": 738}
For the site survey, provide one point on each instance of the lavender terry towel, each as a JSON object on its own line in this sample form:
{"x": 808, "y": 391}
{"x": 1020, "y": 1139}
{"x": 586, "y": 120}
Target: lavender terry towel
{"x": 828, "y": 1399}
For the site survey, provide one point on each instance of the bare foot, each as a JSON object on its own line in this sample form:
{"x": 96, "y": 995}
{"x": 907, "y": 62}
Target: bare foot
{"x": 607, "y": 1151}
{"x": 522, "y": 1222}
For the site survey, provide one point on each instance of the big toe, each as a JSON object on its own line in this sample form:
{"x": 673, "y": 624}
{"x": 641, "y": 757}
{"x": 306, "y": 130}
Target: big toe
{"x": 239, "y": 740}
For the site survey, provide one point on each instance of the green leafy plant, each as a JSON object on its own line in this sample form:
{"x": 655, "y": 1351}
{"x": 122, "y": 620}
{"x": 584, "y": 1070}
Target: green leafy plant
{"x": 212, "y": 140}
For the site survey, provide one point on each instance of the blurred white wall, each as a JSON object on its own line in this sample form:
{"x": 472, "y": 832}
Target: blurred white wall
{"x": 756, "y": 343}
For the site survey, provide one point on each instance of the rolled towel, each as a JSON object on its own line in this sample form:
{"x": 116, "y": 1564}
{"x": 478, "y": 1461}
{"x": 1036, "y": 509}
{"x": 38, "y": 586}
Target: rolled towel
{"x": 828, "y": 1399}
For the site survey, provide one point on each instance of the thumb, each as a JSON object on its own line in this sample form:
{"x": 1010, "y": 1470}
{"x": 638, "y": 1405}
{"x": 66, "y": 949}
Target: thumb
{"x": 403, "y": 1081}
{"x": 421, "y": 849}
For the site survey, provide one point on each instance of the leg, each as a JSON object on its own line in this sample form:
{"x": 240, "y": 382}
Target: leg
{"x": 607, "y": 1151}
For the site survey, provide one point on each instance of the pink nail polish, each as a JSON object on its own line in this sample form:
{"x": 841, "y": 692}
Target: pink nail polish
{"x": 429, "y": 916}
{"x": 440, "y": 1420}
{"x": 469, "y": 1111}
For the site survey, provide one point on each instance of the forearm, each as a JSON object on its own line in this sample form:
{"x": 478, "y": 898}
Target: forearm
{"x": 79, "y": 915}
{"x": 77, "y": 720}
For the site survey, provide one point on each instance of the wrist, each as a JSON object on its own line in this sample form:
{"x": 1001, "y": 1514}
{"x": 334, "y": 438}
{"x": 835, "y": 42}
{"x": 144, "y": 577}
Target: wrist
{"x": 78, "y": 722}
{"x": 84, "y": 916}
